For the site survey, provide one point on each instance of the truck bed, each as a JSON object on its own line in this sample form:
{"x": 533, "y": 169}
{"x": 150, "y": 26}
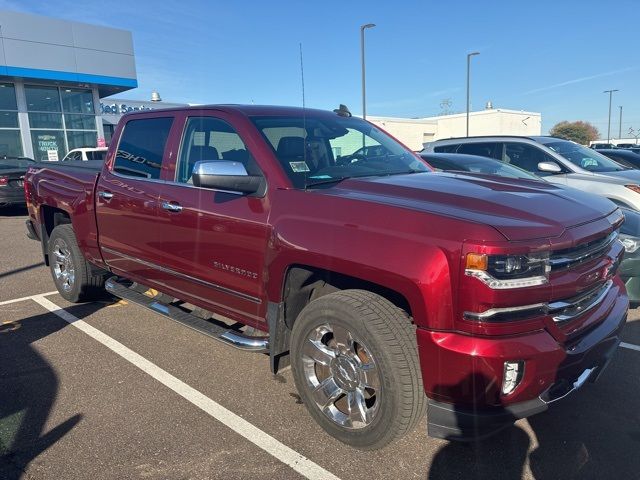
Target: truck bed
{"x": 95, "y": 165}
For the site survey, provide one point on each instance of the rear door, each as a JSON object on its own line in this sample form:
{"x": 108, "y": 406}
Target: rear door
{"x": 214, "y": 242}
{"x": 127, "y": 196}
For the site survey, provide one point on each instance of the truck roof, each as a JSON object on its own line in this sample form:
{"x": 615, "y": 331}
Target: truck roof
{"x": 537, "y": 138}
{"x": 249, "y": 110}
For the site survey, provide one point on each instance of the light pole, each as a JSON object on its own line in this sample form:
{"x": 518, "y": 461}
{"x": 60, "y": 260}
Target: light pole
{"x": 610, "y": 92}
{"x": 468, "y": 82}
{"x": 620, "y": 124}
{"x": 364, "y": 95}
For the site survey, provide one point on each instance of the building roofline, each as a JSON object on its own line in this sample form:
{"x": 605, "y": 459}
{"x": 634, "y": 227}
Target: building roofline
{"x": 376, "y": 118}
{"x": 485, "y": 112}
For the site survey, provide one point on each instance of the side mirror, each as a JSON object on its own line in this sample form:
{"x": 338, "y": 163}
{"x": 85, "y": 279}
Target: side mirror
{"x": 226, "y": 175}
{"x": 549, "y": 167}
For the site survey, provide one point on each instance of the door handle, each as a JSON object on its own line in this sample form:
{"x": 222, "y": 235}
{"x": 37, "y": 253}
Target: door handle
{"x": 105, "y": 195}
{"x": 172, "y": 207}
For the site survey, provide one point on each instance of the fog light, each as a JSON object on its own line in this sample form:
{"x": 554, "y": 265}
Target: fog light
{"x": 513, "y": 372}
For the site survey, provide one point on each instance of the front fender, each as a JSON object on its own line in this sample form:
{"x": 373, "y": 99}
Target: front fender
{"x": 406, "y": 264}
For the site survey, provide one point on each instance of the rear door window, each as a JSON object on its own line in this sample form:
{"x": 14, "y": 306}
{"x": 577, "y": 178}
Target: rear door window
{"x": 447, "y": 148}
{"x": 141, "y": 147}
{"x": 482, "y": 149}
{"x": 96, "y": 155}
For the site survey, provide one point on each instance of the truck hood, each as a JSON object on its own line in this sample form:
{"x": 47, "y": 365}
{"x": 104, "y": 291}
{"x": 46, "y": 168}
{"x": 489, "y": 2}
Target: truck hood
{"x": 518, "y": 209}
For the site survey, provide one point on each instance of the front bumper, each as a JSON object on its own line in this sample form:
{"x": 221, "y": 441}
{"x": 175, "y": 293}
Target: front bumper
{"x": 468, "y": 406}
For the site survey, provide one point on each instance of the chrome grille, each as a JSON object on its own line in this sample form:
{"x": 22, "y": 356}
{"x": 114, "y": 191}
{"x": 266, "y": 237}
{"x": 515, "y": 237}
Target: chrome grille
{"x": 569, "y": 257}
{"x": 564, "y": 311}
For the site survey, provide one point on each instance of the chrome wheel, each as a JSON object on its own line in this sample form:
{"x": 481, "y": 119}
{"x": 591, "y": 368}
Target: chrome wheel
{"x": 63, "y": 268}
{"x": 342, "y": 376}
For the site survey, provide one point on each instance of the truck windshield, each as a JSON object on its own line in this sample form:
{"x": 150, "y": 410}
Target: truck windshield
{"x": 584, "y": 157}
{"x": 320, "y": 150}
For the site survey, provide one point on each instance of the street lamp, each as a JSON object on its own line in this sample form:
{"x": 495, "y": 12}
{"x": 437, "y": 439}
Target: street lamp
{"x": 620, "y": 124}
{"x": 364, "y": 102}
{"x": 468, "y": 82}
{"x": 610, "y": 92}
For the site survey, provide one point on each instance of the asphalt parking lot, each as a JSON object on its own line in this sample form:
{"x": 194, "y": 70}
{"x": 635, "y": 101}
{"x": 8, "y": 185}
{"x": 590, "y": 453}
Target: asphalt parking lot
{"x": 111, "y": 390}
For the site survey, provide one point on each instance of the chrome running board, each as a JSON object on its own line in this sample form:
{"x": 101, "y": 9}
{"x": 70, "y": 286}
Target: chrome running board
{"x": 229, "y": 336}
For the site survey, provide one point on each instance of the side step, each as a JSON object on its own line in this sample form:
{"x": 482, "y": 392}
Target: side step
{"x": 225, "y": 335}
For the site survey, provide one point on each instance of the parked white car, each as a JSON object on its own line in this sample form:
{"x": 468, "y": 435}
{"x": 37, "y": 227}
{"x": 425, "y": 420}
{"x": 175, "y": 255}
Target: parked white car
{"x": 557, "y": 160}
{"x": 86, "y": 153}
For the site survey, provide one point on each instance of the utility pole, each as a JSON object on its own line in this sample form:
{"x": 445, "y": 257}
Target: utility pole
{"x": 364, "y": 96}
{"x": 610, "y": 92}
{"x": 620, "y": 124}
{"x": 469, "y": 55}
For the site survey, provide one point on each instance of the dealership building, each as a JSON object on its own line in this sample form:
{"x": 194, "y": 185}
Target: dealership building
{"x": 58, "y": 79}
{"x": 53, "y": 74}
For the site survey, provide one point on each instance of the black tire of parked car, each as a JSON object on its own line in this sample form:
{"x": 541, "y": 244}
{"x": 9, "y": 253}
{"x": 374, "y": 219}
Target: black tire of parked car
{"x": 88, "y": 281}
{"x": 388, "y": 334}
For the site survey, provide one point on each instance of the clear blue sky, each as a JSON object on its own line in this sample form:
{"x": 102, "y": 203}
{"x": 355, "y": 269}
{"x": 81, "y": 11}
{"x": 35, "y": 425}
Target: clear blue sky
{"x": 551, "y": 57}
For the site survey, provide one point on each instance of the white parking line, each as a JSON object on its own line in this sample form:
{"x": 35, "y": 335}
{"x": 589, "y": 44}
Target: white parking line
{"x": 266, "y": 442}
{"x": 24, "y": 299}
{"x": 630, "y": 346}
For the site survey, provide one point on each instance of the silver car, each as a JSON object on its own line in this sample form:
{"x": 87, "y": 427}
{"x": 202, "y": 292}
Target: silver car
{"x": 557, "y": 160}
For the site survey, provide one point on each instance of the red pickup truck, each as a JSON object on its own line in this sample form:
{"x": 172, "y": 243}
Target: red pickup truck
{"x": 378, "y": 280}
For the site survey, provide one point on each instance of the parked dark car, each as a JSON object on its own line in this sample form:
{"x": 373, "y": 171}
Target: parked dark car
{"x": 626, "y": 158}
{"x": 12, "y": 170}
{"x": 459, "y": 162}
{"x": 630, "y": 266}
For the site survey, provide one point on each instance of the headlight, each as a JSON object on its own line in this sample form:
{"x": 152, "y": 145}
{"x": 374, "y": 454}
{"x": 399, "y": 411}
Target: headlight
{"x": 631, "y": 244}
{"x": 509, "y": 271}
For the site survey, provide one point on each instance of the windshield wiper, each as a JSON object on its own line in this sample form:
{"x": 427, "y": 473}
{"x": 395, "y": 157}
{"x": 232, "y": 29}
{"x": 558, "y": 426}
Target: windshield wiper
{"x": 327, "y": 181}
{"x": 380, "y": 174}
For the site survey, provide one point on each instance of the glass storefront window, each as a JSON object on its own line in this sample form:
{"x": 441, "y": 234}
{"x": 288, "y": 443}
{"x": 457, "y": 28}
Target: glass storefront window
{"x": 61, "y": 119}
{"x": 8, "y": 97}
{"x": 80, "y": 122}
{"x": 77, "y": 139}
{"x": 45, "y": 120}
{"x": 10, "y": 143}
{"x": 42, "y": 99}
{"x": 9, "y": 120}
{"x": 45, "y": 141}
{"x": 77, "y": 101}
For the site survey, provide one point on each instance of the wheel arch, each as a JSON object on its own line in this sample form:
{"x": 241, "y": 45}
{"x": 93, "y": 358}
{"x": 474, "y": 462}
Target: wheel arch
{"x": 305, "y": 283}
{"x": 50, "y": 218}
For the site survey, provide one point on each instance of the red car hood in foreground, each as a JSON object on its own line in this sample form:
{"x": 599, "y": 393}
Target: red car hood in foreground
{"x": 518, "y": 209}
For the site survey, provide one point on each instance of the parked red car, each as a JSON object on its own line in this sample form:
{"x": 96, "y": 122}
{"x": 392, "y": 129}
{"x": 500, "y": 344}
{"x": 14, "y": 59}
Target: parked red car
{"x": 379, "y": 280}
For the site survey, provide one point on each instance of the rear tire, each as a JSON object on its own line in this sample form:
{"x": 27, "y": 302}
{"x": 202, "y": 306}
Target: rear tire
{"x": 355, "y": 364}
{"x": 75, "y": 278}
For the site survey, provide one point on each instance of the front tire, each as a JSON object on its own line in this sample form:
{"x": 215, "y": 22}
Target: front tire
{"x": 355, "y": 365}
{"x": 76, "y": 279}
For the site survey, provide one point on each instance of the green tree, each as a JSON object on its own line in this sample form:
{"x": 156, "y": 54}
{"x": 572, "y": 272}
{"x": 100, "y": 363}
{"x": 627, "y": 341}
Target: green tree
{"x": 580, "y": 132}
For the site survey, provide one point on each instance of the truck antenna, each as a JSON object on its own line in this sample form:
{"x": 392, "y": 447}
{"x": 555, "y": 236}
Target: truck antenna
{"x": 304, "y": 116}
